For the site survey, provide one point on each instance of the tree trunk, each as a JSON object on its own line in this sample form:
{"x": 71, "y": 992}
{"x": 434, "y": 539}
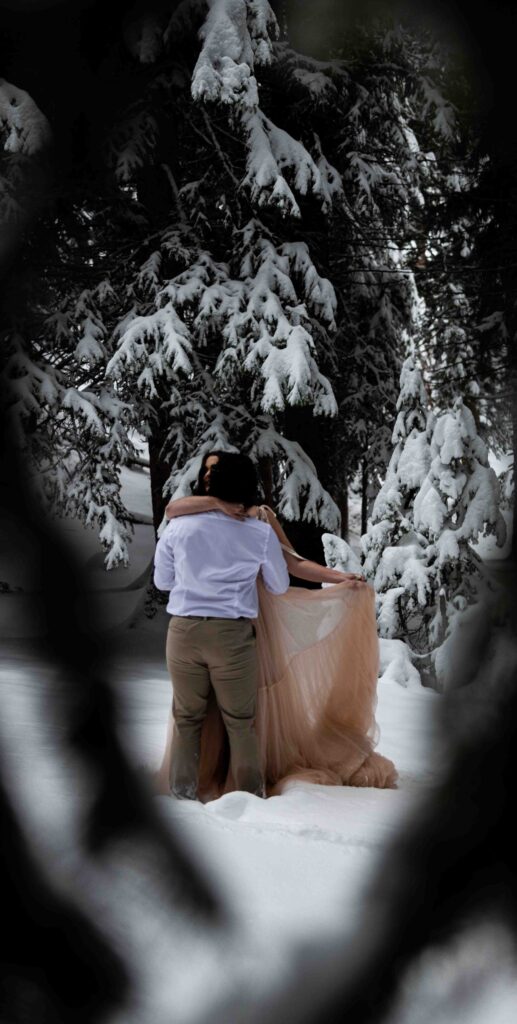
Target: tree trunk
{"x": 509, "y": 280}
{"x": 364, "y": 496}
{"x": 342, "y": 503}
{"x": 159, "y": 471}
{"x": 514, "y": 452}
{"x": 265, "y": 467}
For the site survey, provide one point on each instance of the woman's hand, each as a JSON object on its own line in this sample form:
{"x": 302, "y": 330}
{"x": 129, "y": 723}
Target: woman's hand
{"x": 355, "y": 579}
{"x": 203, "y": 503}
{"x": 232, "y": 508}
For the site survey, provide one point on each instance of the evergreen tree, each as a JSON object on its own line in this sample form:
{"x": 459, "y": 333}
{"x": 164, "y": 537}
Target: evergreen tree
{"x": 457, "y": 502}
{"x": 395, "y": 556}
{"x": 439, "y": 495}
{"x": 397, "y": 128}
{"x": 249, "y": 265}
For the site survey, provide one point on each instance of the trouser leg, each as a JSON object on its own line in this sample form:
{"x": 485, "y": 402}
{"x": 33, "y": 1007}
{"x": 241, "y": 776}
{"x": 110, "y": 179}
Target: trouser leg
{"x": 191, "y": 688}
{"x": 231, "y": 658}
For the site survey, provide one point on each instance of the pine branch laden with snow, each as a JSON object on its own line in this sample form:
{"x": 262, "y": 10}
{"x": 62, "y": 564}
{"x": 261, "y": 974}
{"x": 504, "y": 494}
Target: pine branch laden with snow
{"x": 339, "y": 555}
{"x": 395, "y": 557}
{"x": 25, "y": 138}
{"x": 282, "y": 296}
{"x": 459, "y": 500}
{"x": 507, "y": 486}
{"x": 300, "y": 495}
{"x": 24, "y": 130}
{"x": 410, "y": 459}
{"x": 449, "y": 348}
{"x": 72, "y": 427}
{"x": 275, "y": 158}
{"x": 263, "y": 319}
{"x": 311, "y": 82}
{"x": 439, "y": 495}
{"x": 152, "y": 347}
{"x": 256, "y": 327}
{"x": 237, "y": 37}
{"x": 457, "y": 503}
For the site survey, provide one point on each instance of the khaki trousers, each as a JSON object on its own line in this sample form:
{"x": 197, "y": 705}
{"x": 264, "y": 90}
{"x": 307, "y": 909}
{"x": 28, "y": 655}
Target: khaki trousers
{"x": 218, "y": 653}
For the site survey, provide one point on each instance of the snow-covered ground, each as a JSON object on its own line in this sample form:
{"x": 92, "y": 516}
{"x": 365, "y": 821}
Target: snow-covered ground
{"x": 288, "y": 871}
{"x": 289, "y": 868}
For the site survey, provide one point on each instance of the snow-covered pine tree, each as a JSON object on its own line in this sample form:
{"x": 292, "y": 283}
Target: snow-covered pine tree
{"x": 449, "y": 341}
{"x": 190, "y": 321}
{"x": 67, "y": 420}
{"x": 392, "y": 150}
{"x": 231, "y": 283}
{"x": 377, "y": 116}
{"x": 463, "y": 343}
{"x": 395, "y": 557}
{"x": 458, "y": 501}
{"x": 56, "y": 304}
{"x": 218, "y": 234}
{"x": 71, "y": 428}
{"x": 492, "y": 295}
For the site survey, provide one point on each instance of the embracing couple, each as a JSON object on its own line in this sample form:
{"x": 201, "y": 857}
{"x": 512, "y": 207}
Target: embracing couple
{"x": 270, "y": 682}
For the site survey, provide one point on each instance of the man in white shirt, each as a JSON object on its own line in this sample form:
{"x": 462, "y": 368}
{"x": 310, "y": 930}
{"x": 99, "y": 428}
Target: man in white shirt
{"x": 210, "y": 562}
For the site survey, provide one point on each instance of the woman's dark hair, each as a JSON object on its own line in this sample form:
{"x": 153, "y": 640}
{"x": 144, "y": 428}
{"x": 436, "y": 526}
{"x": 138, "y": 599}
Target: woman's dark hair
{"x": 199, "y": 486}
{"x": 233, "y": 478}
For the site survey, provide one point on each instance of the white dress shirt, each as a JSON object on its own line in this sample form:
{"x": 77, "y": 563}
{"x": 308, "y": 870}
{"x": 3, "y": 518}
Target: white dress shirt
{"x": 210, "y": 562}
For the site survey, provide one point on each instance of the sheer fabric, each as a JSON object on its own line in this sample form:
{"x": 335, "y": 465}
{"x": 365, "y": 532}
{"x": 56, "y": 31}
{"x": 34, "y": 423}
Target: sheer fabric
{"x": 318, "y": 661}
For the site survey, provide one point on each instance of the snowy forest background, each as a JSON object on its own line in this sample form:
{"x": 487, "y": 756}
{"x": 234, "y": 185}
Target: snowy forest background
{"x": 287, "y": 228}
{"x": 233, "y": 244}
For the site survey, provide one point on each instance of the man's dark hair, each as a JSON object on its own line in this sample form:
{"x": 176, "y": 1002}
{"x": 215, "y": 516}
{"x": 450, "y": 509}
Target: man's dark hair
{"x": 234, "y": 478}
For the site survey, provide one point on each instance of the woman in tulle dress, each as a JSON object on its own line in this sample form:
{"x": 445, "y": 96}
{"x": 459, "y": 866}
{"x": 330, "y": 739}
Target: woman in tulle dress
{"x": 318, "y": 661}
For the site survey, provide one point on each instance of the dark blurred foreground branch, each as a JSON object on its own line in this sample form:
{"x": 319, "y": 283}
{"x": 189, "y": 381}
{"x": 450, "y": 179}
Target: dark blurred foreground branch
{"x": 55, "y": 962}
{"x": 61, "y": 955}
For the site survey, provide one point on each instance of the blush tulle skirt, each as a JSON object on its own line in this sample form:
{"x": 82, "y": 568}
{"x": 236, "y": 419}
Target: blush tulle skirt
{"x": 318, "y": 662}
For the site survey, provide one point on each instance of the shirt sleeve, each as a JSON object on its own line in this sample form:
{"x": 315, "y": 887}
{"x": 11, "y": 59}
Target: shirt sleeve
{"x": 274, "y": 568}
{"x": 164, "y": 574}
